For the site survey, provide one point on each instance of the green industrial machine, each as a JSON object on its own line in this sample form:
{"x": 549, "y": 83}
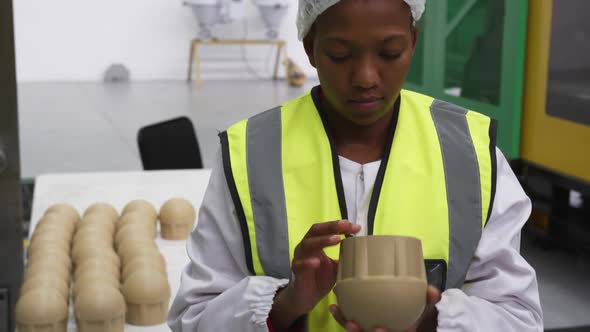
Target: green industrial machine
{"x": 473, "y": 55}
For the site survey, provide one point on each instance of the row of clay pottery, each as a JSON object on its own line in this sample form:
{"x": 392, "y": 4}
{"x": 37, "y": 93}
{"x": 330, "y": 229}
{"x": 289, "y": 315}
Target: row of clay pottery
{"x": 144, "y": 279}
{"x": 43, "y": 302}
{"x": 177, "y": 218}
{"x": 99, "y": 305}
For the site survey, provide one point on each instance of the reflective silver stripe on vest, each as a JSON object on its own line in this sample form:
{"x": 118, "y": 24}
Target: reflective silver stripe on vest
{"x": 265, "y": 177}
{"x": 463, "y": 188}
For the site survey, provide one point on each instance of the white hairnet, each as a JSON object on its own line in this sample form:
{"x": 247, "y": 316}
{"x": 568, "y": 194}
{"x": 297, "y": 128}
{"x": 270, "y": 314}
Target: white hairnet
{"x": 309, "y": 10}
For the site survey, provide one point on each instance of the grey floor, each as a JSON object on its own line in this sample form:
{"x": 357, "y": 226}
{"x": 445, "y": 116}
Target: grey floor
{"x": 78, "y": 127}
{"x": 82, "y": 127}
{"x": 563, "y": 285}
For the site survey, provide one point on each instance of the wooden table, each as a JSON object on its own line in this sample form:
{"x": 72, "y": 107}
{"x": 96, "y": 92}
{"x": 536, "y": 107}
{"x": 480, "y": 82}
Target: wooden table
{"x": 194, "y": 53}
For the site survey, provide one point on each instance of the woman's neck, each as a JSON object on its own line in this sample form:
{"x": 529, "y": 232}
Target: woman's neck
{"x": 359, "y": 143}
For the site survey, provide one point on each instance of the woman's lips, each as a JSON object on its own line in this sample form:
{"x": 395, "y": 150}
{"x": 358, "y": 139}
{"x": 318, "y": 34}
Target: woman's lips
{"x": 366, "y": 104}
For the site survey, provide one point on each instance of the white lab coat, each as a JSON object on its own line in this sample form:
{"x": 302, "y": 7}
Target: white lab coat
{"x": 217, "y": 293}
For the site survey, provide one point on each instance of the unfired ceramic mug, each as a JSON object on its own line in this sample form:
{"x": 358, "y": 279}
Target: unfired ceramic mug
{"x": 381, "y": 281}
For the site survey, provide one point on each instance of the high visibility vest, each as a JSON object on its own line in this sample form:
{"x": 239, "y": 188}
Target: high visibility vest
{"x": 436, "y": 183}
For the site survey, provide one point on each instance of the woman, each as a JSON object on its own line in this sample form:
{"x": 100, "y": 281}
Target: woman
{"x": 377, "y": 159}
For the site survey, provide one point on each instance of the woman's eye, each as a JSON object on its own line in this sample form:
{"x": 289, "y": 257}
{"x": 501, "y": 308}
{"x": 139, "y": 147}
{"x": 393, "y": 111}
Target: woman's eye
{"x": 339, "y": 58}
{"x": 391, "y": 56}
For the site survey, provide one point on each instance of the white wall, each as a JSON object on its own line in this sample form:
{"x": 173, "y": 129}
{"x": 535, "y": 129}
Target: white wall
{"x": 76, "y": 40}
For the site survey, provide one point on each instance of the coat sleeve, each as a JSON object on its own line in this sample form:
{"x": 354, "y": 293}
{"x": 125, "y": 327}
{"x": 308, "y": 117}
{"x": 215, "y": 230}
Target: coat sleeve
{"x": 500, "y": 292}
{"x": 217, "y": 292}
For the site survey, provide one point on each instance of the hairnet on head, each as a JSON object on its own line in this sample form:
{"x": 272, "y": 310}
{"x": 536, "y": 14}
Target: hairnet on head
{"x": 309, "y": 10}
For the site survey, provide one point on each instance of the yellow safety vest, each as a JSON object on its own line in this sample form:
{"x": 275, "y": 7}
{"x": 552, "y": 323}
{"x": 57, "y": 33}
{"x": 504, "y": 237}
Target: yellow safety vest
{"x": 436, "y": 183}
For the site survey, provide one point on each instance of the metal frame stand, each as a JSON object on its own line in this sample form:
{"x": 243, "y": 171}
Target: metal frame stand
{"x": 195, "y": 60}
{"x": 11, "y": 239}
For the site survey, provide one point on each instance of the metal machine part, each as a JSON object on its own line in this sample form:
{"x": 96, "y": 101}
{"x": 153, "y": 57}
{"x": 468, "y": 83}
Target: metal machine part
{"x": 4, "y": 310}
{"x": 11, "y": 240}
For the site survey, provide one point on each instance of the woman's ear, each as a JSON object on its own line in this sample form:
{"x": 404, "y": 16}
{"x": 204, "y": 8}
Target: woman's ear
{"x": 308, "y": 45}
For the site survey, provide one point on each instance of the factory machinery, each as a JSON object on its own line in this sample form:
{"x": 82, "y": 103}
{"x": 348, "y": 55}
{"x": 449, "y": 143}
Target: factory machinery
{"x": 523, "y": 63}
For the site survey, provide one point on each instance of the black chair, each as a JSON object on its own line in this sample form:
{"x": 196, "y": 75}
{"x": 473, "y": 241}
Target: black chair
{"x": 171, "y": 144}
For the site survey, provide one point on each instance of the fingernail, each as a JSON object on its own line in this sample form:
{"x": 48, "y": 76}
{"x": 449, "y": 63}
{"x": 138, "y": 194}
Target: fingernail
{"x": 335, "y": 238}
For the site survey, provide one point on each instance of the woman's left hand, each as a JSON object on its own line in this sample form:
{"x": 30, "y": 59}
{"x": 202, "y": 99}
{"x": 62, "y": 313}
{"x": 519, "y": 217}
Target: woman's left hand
{"x": 426, "y": 323}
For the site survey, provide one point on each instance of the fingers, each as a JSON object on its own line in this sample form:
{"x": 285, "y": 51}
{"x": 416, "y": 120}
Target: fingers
{"x": 428, "y": 321}
{"x": 352, "y": 327}
{"x": 306, "y": 263}
{"x": 339, "y": 317}
{"x": 432, "y": 295}
{"x": 337, "y": 314}
{"x": 314, "y": 244}
{"x": 318, "y": 237}
{"x": 333, "y": 228}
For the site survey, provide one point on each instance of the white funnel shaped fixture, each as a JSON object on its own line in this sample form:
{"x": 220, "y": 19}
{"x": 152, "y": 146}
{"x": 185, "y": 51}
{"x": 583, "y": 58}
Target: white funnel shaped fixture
{"x": 208, "y": 13}
{"x": 272, "y": 12}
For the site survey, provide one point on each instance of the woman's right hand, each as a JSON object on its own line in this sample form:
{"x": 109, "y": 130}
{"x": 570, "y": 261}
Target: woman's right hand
{"x": 313, "y": 273}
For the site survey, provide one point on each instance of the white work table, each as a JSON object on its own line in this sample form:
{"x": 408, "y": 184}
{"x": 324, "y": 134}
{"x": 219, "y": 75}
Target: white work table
{"x": 118, "y": 188}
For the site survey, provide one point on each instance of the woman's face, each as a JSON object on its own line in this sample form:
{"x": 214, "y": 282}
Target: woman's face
{"x": 362, "y": 50}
